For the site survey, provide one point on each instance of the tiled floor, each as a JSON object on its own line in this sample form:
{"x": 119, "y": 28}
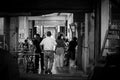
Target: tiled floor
{"x": 63, "y": 71}
{"x": 58, "y": 74}
{"x": 62, "y": 74}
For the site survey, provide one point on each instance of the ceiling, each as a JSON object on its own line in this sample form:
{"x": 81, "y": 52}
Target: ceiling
{"x": 36, "y": 7}
{"x": 39, "y": 7}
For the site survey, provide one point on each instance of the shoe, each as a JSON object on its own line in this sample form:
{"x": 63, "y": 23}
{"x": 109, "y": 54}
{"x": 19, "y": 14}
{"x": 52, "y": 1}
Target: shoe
{"x": 35, "y": 71}
{"x": 49, "y": 72}
{"x": 46, "y": 72}
{"x": 42, "y": 72}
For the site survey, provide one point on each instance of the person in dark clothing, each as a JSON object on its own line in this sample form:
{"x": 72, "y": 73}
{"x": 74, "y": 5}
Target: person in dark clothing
{"x": 72, "y": 49}
{"x": 25, "y": 46}
{"x": 8, "y": 66}
{"x": 36, "y": 43}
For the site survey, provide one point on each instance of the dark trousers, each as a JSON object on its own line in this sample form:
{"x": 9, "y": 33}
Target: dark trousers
{"x": 67, "y": 58}
{"x": 42, "y": 61}
{"x": 36, "y": 63}
{"x": 37, "y": 58}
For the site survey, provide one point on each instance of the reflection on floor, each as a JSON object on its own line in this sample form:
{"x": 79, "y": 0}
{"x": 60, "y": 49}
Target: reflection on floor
{"x": 65, "y": 70}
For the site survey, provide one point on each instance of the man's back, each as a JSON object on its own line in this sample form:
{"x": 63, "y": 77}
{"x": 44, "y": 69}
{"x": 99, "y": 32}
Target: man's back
{"x": 48, "y": 43}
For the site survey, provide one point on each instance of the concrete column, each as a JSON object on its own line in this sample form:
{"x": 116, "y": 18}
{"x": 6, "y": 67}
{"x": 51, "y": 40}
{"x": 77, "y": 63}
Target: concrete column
{"x": 14, "y": 24}
{"x": 7, "y": 31}
{"x": 91, "y": 38}
{"x": 1, "y": 26}
{"x": 85, "y": 55}
{"x": 23, "y": 28}
{"x": 79, "y": 18}
{"x": 97, "y": 34}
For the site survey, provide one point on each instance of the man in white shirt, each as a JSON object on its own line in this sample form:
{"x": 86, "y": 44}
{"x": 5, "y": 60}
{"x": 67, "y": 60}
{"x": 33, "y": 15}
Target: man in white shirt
{"x": 48, "y": 44}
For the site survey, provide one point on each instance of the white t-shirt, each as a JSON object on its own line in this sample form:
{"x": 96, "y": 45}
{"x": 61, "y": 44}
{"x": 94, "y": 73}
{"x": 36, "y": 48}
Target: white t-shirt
{"x": 49, "y": 43}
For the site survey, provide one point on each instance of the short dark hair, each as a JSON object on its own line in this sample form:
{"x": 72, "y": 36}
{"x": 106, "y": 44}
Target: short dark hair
{"x": 74, "y": 38}
{"x": 49, "y": 33}
{"x": 59, "y": 37}
{"x": 26, "y": 40}
{"x": 38, "y": 35}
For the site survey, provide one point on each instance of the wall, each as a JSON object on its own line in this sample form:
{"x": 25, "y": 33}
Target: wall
{"x": 48, "y": 21}
{"x": 104, "y": 20}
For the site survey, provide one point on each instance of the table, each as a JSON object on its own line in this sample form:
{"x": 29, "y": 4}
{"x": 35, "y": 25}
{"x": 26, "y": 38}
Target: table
{"x": 26, "y": 60}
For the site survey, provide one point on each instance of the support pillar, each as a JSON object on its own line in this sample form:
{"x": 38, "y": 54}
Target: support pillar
{"x": 14, "y": 24}
{"x": 105, "y": 19}
{"x": 79, "y": 18}
{"x": 97, "y": 34}
{"x": 7, "y": 32}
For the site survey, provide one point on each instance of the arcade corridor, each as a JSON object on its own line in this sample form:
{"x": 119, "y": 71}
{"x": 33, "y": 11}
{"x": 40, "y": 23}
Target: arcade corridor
{"x": 95, "y": 23}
